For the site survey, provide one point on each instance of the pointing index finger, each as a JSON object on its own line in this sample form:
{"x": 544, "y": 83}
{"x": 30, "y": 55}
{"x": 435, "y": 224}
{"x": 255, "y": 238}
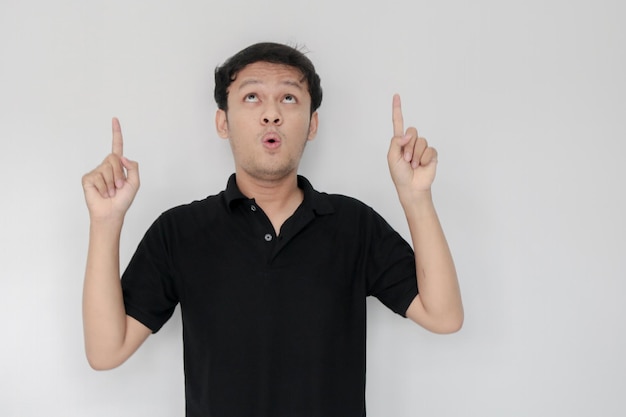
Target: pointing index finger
{"x": 118, "y": 141}
{"x": 396, "y": 116}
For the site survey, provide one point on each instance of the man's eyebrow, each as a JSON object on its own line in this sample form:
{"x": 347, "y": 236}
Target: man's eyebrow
{"x": 293, "y": 83}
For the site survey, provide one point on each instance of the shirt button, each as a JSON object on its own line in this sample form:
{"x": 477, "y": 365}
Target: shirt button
{"x": 268, "y": 237}
{"x": 253, "y": 207}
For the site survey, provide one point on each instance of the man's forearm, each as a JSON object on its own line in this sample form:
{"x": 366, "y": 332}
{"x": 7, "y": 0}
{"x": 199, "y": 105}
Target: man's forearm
{"x": 438, "y": 306}
{"x": 104, "y": 315}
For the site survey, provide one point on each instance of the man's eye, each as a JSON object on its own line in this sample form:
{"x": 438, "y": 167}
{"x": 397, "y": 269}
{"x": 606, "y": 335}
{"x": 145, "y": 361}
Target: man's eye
{"x": 289, "y": 99}
{"x": 251, "y": 98}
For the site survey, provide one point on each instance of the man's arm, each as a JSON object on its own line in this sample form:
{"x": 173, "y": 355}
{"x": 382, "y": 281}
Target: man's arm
{"x": 110, "y": 335}
{"x": 412, "y": 164}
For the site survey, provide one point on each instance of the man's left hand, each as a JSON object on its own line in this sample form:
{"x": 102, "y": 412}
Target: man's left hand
{"x": 412, "y": 163}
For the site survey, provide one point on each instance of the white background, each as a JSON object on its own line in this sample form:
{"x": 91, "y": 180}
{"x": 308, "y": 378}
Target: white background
{"x": 525, "y": 102}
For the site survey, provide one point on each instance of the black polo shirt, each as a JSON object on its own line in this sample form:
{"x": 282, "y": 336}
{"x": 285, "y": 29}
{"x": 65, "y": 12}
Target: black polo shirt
{"x": 273, "y": 325}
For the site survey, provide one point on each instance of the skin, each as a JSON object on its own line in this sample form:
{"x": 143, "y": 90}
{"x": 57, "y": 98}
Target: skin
{"x": 268, "y": 124}
{"x": 413, "y": 165}
{"x": 110, "y": 335}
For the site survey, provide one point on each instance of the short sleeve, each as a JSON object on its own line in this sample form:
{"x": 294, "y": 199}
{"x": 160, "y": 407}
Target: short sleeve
{"x": 391, "y": 266}
{"x": 148, "y": 286}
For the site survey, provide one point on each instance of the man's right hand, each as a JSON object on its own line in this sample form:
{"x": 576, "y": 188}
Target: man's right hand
{"x": 110, "y": 335}
{"x": 112, "y": 186}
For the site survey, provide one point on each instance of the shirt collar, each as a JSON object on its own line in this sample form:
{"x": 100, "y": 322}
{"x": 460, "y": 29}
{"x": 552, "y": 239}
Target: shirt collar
{"x": 318, "y": 202}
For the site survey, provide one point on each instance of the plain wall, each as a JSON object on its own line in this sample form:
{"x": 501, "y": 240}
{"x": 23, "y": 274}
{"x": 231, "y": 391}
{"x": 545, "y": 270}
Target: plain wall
{"x": 525, "y": 102}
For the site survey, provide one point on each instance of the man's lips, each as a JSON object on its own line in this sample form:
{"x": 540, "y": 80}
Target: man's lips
{"x": 271, "y": 140}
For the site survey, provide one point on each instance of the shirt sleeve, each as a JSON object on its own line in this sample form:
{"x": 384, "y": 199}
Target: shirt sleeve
{"x": 392, "y": 275}
{"x": 148, "y": 287}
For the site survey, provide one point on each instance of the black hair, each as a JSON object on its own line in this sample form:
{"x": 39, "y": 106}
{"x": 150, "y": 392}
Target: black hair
{"x": 274, "y": 53}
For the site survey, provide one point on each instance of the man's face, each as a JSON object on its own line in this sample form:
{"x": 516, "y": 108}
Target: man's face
{"x": 268, "y": 121}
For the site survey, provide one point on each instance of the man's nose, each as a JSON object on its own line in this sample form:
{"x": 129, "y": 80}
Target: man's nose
{"x": 271, "y": 115}
{"x": 275, "y": 121}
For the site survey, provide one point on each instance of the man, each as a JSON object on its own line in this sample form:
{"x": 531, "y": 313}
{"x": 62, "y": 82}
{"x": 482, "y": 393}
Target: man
{"x": 271, "y": 275}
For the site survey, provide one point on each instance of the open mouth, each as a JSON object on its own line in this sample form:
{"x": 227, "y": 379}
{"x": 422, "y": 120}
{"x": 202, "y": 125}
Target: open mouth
{"x": 271, "y": 140}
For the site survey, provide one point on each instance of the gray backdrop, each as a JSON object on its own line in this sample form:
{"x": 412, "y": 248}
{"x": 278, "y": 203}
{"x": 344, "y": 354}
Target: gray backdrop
{"x": 525, "y": 102}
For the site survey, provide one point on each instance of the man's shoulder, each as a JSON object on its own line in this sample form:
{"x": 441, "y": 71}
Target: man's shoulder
{"x": 211, "y": 202}
{"x": 346, "y": 201}
{"x": 192, "y": 214}
{"x": 347, "y": 206}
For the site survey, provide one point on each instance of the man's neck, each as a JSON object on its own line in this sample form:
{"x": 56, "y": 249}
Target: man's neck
{"x": 278, "y": 198}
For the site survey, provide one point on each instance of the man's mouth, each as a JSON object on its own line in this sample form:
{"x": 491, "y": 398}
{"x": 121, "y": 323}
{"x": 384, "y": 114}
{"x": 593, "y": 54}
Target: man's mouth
{"x": 271, "y": 140}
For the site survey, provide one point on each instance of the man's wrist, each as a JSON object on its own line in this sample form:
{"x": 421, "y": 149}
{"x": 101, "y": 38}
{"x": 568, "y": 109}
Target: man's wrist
{"x": 111, "y": 225}
{"x": 412, "y": 199}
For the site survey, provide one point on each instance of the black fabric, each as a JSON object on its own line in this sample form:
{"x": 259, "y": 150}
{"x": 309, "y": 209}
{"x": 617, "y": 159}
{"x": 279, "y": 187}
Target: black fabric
{"x": 273, "y": 325}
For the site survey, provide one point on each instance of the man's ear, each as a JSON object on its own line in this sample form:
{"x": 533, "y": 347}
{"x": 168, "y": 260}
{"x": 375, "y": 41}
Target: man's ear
{"x": 221, "y": 124}
{"x": 313, "y": 126}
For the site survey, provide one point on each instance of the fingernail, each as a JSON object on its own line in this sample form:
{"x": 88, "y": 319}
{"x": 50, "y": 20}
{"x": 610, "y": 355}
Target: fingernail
{"x": 112, "y": 192}
{"x": 119, "y": 183}
{"x": 407, "y": 156}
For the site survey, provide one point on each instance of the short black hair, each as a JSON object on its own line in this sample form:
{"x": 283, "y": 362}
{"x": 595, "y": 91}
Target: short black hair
{"x": 274, "y": 53}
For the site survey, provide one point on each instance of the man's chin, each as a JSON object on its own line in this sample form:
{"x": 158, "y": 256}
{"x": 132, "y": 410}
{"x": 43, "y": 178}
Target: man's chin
{"x": 272, "y": 174}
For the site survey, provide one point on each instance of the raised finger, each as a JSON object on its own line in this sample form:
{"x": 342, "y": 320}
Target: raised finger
{"x": 118, "y": 141}
{"x": 396, "y": 116}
